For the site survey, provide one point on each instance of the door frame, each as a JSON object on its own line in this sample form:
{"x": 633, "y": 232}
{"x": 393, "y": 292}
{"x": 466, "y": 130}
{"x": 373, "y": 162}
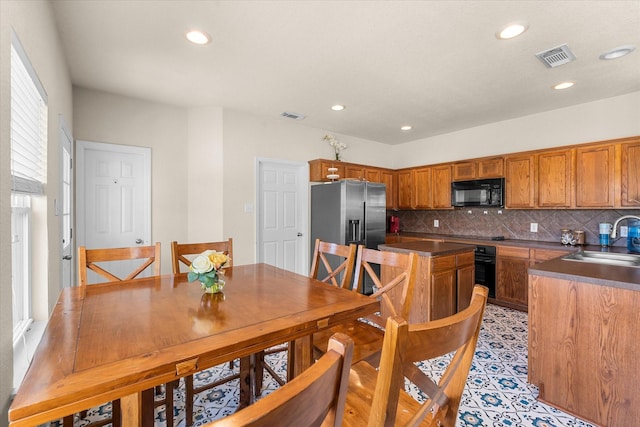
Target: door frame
{"x": 81, "y": 148}
{"x": 65, "y": 134}
{"x": 303, "y": 207}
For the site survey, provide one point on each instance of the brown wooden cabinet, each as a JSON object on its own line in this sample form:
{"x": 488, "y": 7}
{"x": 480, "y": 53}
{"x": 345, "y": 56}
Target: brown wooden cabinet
{"x": 441, "y": 184}
{"x": 405, "y": 189}
{"x": 388, "y": 178}
{"x": 354, "y": 172}
{"x": 555, "y": 179}
{"x": 319, "y": 169}
{"x": 491, "y": 167}
{"x": 512, "y": 265}
{"x": 422, "y": 188}
{"x": 520, "y": 181}
{"x": 630, "y": 174}
{"x": 595, "y": 176}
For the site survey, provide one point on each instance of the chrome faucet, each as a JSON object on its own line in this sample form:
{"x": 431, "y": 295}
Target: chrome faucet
{"x": 615, "y": 224}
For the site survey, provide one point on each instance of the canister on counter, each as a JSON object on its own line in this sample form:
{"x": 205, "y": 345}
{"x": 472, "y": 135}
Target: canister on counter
{"x": 579, "y": 237}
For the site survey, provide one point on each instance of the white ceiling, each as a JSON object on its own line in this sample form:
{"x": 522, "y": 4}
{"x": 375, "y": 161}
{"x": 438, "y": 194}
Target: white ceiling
{"x": 435, "y": 65}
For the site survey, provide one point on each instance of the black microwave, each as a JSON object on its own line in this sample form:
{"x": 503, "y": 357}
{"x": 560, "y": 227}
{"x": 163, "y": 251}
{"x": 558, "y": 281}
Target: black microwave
{"x": 480, "y": 192}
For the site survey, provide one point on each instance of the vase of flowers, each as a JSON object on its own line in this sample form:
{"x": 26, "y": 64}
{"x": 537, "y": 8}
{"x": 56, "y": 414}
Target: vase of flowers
{"x": 335, "y": 144}
{"x": 207, "y": 268}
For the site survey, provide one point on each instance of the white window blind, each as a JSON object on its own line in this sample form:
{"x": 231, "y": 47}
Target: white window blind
{"x": 28, "y": 125}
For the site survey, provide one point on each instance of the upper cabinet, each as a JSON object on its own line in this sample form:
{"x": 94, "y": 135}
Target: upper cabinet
{"x": 520, "y": 181}
{"x": 490, "y": 167}
{"x": 630, "y": 171}
{"x": 595, "y": 176}
{"x": 555, "y": 179}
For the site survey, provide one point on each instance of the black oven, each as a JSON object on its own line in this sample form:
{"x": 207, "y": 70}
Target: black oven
{"x": 485, "y": 263}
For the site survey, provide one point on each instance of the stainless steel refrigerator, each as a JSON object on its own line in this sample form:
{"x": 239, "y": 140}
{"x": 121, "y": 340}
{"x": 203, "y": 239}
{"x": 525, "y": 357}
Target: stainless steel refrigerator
{"x": 347, "y": 212}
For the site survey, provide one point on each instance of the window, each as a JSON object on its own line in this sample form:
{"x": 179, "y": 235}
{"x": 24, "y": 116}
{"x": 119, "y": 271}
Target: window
{"x": 28, "y": 176}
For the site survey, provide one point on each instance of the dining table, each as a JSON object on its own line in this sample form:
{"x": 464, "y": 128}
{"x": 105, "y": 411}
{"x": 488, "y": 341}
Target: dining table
{"x": 119, "y": 340}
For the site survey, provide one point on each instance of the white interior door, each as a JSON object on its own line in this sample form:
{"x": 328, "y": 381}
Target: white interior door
{"x": 283, "y": 215}
{"x": 64, "y": 205}
{"x": 114, "y": 198}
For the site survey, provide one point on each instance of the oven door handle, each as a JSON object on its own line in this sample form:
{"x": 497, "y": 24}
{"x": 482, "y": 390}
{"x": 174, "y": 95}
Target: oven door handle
{"x": 485, "y": 260}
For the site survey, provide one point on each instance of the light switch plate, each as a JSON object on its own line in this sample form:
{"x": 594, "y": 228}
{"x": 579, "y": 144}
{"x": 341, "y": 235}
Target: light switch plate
{"x": 436, "y": 223}
{"x": 534, "y": 227}
{"x": 624, "y": 231}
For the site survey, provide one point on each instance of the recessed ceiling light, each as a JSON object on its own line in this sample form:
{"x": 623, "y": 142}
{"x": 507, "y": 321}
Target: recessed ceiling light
{"x": 511, "y": 31}
{"x": 563, "y": 85}
{"x": 198, "y": 37}
{"x": 338, "y": 107}
{"x": 618, "y": 52}
{"x": 406, "y": 127}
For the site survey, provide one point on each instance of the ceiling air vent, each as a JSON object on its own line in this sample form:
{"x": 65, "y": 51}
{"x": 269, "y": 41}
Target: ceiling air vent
{"x": 557, "y": 56}
{"x": 294, "y": 116}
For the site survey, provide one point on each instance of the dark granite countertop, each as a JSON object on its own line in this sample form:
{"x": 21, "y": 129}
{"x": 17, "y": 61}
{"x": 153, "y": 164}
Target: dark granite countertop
{"x": 597, "y": 274}
{"x": 427, "y": 248}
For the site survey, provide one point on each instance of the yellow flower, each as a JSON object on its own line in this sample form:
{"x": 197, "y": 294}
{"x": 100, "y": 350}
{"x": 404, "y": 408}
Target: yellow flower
{"x": 218, "y": 259}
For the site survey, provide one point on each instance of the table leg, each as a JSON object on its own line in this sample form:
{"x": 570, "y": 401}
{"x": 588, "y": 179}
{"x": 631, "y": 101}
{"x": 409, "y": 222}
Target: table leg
{"x": 130, "y": 407}
{"x": 303, "y": 356}
{"x": 247, "y": 378}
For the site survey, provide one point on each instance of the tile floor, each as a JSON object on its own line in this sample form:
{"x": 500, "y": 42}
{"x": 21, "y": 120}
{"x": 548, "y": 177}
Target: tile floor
{"x": 497, "y": 392}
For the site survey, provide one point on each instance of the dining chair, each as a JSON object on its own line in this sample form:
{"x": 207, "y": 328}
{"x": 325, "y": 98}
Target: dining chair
{"x": 378, "y": 397}
{"x": 94, "y": 260}
{"x": 396, "y": 283}
{"x": 330, "y": 261}
{"x": 182, "y": 254}
{"x": 314, "y": 398}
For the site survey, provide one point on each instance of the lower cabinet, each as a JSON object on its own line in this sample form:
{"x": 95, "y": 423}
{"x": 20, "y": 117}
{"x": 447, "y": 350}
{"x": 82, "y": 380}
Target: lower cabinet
{"x": 443, "y": 286}
{"x": 512, "y": 266}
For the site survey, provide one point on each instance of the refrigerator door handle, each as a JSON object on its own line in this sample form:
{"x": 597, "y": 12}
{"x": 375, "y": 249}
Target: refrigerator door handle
{"x": 354, "y": 230}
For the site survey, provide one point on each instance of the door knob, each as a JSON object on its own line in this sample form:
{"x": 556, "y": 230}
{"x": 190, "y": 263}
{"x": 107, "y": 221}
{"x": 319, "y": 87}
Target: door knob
{"x": 299, "y": 234}
{"x": 66, "y": 257}
{"x": 139, "y": 241}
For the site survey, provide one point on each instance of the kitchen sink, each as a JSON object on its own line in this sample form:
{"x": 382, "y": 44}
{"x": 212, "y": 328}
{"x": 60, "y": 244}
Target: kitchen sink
{"x": 624, "y": 260}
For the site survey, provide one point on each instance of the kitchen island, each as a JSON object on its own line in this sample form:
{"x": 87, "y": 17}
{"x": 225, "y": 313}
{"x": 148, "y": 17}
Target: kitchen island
{"x": 445, "y": 278}
{"x": 584, "y": 339}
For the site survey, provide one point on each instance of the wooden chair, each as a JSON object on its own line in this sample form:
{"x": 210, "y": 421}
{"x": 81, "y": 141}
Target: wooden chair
{"x": 314, "y": 398}
{"x": 404, "y": 345}
{"x": 329, "y": 261}
{"x": 89, "y": 259}
{"x": 399, "y": 281}
{"x": 180, "y": 250}
{"x": 179, "y": 257}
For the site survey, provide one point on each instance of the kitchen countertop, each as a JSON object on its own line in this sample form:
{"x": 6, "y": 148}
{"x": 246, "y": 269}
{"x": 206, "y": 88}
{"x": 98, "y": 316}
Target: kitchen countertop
{"x": 427, "y": 248}
{"x": 598, "y": 274}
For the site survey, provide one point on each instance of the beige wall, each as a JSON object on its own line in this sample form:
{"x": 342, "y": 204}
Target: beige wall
{"x": 34, "y": 24}
{"x": 609, "y": 118}
{"x": 113, "y": 119}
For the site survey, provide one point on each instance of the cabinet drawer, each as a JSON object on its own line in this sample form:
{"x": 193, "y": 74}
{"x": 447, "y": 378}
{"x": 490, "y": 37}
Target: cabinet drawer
{"x": 465, "y": 259}
{"x": 513, "y": 252}
{"x": 440, "y": 263}
{"x": 539, "y": 255}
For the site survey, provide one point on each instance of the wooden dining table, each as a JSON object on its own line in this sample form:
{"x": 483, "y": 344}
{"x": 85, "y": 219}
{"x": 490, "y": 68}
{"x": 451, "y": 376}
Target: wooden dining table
{"x": 120, "y": 340}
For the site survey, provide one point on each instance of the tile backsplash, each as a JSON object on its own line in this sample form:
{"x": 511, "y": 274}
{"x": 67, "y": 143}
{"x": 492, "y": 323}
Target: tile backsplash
{"x": 512, "y": 224}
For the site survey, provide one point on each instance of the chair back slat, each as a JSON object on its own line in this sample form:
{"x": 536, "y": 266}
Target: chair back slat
{"x": 339, "y": 261}
{"x": 179, "y": 250}
{"x": 399, "y": 282}
{"x": 406, "y": 344}
{"x": 88, "y": 259}
{"x": 314, "y": 398}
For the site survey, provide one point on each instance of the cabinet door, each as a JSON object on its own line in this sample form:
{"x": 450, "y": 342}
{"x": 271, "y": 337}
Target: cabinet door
{"x": 387, "y": 178}
{"x": 465, "y": 282}
{"x": 422, "y": 188}
{"x": 441, "y": 187}
{"x": 319, "y": 169}
{"x": 405, "y": 189}
{"x": 354, "y": 172}
{"x": 372, "y": 175}
{"x": 555, "y": 169}
{"x": 520, "y": 182}
{"x": 511, "y": 280}
{"x": 630, "y": 174}
{"x": 595, "y": 174}
{"x": 443, "y": 294}
{"x": 491, "y": 168}
{"x": 464, "y": 171}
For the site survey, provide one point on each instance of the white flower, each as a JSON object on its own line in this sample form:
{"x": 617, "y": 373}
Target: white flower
{"x": 201, "y": 264}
